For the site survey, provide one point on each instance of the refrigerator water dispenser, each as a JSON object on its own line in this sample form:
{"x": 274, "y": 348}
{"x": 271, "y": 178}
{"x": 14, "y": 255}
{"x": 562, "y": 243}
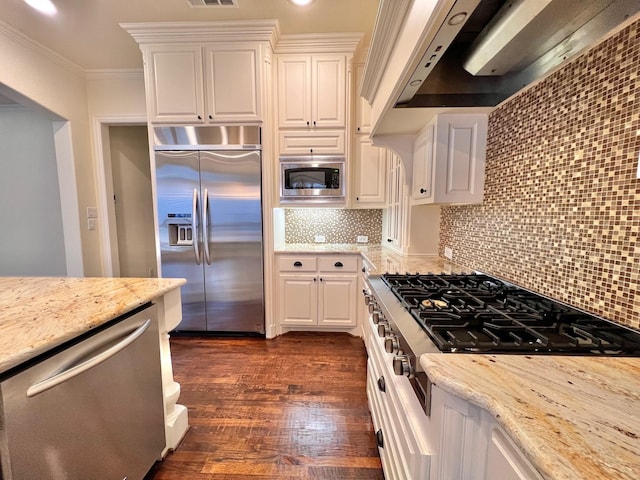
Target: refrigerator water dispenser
{"x": 180, "y": 234}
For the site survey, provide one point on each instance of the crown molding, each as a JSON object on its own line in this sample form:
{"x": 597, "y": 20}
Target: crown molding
{"x": 389, "y": 21}
{"x": 202, "y": 32}
{"x": 319, "y": 43}
{"x": 115, "y": 73}
{"x": 21, "y": 39}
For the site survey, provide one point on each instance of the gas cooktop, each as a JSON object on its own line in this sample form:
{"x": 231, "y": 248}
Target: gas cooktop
{"x": 479, "y": 313}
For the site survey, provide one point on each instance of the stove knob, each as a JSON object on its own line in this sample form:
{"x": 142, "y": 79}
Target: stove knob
{"x": 376, "y": 316}
{"x": 384, "y": 330}
{"x": 391, "y": 344}
{"x": 367, "y": 297}
{"x": 401, "y": 365}
{"x": 372, "y": 305}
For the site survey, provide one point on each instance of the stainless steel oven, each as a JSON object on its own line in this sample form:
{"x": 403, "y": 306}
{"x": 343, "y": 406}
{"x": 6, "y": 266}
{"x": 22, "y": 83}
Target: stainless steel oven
{"x": 312, "y": 178}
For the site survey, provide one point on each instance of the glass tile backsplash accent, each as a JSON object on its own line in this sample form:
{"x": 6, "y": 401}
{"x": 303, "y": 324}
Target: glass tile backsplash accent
{"x": 336, "y": 225}
{"x": 561, "y": 210}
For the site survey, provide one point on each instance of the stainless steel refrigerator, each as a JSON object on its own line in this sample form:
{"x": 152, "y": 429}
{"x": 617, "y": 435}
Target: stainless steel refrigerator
{"x": 209, "y": 207}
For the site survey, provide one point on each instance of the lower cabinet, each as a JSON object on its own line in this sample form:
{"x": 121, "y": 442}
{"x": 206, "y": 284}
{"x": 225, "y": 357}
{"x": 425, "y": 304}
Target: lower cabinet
{"x": 469, "y": 443}
{"x": 318, "y": 291}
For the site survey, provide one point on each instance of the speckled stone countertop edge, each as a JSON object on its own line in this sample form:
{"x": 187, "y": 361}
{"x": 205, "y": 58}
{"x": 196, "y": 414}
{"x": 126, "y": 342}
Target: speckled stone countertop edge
{"x": 573, "y": 417}
{"x": 41, "y": 313}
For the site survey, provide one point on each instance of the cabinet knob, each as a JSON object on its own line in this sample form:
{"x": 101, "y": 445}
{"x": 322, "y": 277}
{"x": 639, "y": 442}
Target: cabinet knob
{"x": 422, "y": 190}
{"x": 357, "y": 199}
{"x": 199, "y": 117}
{"x": 338, "y": 264}
{"x": 389, "y": 240}
{"x": 320, "y": 278}
{"x": 380, "y": 438}
{"x": 311, "y": 150}
{"x": 314, "y": 123}
{"x": 297, "y": 264}
{"x": 358, "y": 128}
{"x": 381, "y": 386}
{"x": 308, "y": 123}
{"x": 210, "y": 117}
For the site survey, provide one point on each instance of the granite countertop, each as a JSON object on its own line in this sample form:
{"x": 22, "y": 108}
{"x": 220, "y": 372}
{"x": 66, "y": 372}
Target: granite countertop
{"x": 39, "y": 313}
{"x": 380, "y": 260}
{"x": 574, "y": 417}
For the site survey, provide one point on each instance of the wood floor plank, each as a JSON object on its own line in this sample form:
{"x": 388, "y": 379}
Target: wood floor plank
{"x": 289, "y": 408}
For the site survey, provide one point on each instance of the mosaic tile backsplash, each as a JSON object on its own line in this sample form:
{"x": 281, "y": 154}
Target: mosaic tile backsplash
{"x": 561, "y": 213}
{"x": 337, "y": 225}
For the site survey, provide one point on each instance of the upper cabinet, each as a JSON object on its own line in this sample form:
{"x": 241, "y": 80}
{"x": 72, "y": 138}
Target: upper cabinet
{"x": 363, "y": 109}
{"x": 216, "y": 83}
{"x": 449, "y": 159}
{"x": 312, "y": 91}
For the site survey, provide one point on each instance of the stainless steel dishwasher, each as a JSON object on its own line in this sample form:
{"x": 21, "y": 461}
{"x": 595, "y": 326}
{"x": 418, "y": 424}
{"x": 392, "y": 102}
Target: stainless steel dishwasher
{"x": 92, "y": 409}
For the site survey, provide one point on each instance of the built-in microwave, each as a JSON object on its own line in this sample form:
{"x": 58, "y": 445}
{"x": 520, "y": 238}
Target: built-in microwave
{"x": 317, "y": 178}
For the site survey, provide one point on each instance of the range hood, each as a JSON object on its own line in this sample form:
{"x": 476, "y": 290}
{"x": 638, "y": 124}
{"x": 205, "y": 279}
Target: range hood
{"x": 486, "y": 50}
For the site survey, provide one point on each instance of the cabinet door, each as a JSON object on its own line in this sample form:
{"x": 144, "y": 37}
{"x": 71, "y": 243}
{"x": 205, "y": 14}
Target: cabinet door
{"x": 370, "y": 174}
{"x": 460, "y": 157}
{"x": 328, "y": 91}
{"x": 395, "y": 212}
{"x": 505, "y": 461}
{"x": 298, "y": 300}
{"x": 294, "y": 91}
{"x": 338, "y": 300}
{"x": 423, "y": 164}
{"x": 232, "y": 83}
{"x": 174, "y": 84}
{"x": 363, "y": 109}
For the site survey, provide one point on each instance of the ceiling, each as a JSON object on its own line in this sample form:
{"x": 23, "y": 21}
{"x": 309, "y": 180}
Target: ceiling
{"x": 87, "y": 32}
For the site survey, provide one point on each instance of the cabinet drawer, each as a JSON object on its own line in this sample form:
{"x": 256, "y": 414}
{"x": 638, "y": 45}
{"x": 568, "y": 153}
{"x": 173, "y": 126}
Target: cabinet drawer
{"x": 338, "y": 264}
{"x": 297, "y": 264}
{"x": 312, "y": 141}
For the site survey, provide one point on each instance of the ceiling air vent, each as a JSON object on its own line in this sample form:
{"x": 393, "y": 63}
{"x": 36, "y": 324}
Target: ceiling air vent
{"x": 212, "y": 3}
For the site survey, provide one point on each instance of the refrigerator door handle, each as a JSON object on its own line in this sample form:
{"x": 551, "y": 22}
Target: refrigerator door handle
{"x": 205, "y": 225}
{"x": 194, "y": 226}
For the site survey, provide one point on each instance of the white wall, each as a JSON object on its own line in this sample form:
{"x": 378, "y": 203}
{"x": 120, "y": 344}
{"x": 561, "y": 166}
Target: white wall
{"x": 46, "y": 79}
{"x": 32, "y": 240}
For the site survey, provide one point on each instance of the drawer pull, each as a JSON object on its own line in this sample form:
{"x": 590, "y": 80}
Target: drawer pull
{"x": 297, "y": 264}
{"x": 380, "y": 438}
{"x": 338, "y": 264}
{"x": 381, "y": 386}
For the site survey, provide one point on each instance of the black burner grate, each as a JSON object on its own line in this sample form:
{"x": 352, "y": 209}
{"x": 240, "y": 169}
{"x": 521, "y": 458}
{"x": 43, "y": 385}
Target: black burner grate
{"x": 479, "y": 313}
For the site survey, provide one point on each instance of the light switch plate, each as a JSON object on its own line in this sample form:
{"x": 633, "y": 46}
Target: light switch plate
{"x": 319, "y": 239}
{"x": 92, "y": 212}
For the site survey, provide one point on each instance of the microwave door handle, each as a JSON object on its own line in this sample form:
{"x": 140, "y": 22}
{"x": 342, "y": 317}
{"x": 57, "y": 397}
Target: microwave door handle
{"x": 195, "y": 238}
{"x": 205, "y": 226}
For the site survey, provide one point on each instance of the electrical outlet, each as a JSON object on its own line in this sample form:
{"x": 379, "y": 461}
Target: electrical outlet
{"x": 91, "y": 224}
{"x": 92, "y": 212}
{"x": 319, "y": 239}
{"x": 362, "y": 239}
{"x": 448, "y": 253}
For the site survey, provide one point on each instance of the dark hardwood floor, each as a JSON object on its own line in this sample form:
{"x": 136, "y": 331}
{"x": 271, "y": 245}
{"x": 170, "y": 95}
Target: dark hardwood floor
{"x": 293, "y": 407}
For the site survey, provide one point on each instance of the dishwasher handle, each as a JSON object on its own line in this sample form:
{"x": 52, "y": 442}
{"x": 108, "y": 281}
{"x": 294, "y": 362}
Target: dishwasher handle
{"x": 76, "y": 370}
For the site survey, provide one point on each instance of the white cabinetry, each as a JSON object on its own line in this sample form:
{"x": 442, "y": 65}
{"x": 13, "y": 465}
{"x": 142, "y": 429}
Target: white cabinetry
{"x": 370, "y": 169}
{"x": 395, "y": 217}
{"x": 370, "y": 174}
{"x": 449, "y": 159}
{"x": 312, "y": 104}
{"x": 470, "y": 445}
{"x": 311, "y": 91}
{"x": 318, "y": 291}
{"x": 196, "y": 84}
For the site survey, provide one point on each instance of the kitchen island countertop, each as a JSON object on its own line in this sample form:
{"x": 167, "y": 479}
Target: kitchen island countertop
{"x": 574, "y": 417}
{"x": 40, "y": 313}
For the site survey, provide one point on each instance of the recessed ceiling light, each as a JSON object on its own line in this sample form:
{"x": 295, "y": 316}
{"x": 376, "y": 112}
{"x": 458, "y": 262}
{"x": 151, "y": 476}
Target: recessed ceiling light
{"x": 44, "y": 6}
{"x": 301, "y": 3}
